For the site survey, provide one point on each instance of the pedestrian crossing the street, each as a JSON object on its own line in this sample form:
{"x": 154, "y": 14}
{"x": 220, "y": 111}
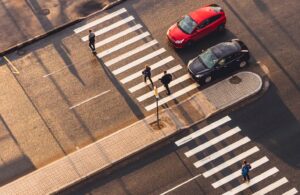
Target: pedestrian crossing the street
{"x": 125, "y": 46}
{"x": 219, "y": 152}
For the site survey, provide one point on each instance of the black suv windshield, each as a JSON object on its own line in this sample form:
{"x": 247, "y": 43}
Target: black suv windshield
{"x": 208, "y": 58}
{"x": 187, "y": 24}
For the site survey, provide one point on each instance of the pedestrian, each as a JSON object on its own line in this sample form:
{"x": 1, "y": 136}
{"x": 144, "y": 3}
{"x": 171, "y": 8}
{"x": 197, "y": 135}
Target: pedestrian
{"x": 147, "y": 74}
{"x": 92, "y": 41}
{"x": 245, "y": 171}
{"x": 166, "y": 80}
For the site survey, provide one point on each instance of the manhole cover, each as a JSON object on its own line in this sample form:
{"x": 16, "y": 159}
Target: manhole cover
{"x": 235, "y": 80}
{"x": 20, "y": 52}
{"x": 44, "y": 12}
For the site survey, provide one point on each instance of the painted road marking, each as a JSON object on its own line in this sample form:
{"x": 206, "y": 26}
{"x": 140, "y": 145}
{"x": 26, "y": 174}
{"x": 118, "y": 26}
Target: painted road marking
{"x": 87, "y": 100}
{"x": 154, "y": 79}
{"x": 124, "y": 44}
{"x": 291, "y": 192}
{"x": 174, "y": 188}
{"x": 109, "y": 28}
{"x": 221, "y": 152}
{"x": 118, "y": 35}
{"x": 203, "y": 130}
{"x": 212, "y": 142}
{"x": 13, "y": 68}
{"x": 138, "y": 61}
{"x": 271, "y": 187}
{"x": 253, "y": 181}
{"x": 100, "y": 20}
{"x": 172, "y": 96}
{"x": 153, "y": 67}
{"x": 237, "y": 173}
{"x": 130, "y": 53}
{"x": 162, "y": 88}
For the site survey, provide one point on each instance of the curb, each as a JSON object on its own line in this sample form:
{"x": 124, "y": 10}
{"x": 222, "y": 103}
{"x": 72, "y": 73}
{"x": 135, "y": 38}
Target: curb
{"x": 56, "y": 29}
{"x": 261, "y": 88}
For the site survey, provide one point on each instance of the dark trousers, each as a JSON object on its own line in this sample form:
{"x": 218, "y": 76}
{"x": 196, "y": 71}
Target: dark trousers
{"x": 92, "y": 45}
{"x": 246, "y": 177}
{"x": 149, "y": 77}
{"x": 167, "y": 88}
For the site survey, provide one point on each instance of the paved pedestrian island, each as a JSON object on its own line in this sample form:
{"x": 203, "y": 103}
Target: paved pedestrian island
{"x": 105, "y": 152}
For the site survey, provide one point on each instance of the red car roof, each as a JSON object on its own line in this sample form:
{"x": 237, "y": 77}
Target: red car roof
{"x": 202, "y": 13}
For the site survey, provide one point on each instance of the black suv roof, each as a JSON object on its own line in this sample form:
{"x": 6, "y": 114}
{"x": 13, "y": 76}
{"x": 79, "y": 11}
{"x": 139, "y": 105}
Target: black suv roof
{"x": 226, "y": 48}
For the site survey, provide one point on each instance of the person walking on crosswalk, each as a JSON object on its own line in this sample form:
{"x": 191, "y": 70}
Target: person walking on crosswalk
{"x": 147, "y": 74}
{"x": 92, "y": 41}
{"x": 166, "y": 80}
{"x": 245, "y": 171}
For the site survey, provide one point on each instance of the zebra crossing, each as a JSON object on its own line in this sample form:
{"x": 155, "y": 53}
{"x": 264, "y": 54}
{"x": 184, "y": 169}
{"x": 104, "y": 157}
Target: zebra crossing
{"x": 224, "y": 172}
{"x": 125, "y": 47}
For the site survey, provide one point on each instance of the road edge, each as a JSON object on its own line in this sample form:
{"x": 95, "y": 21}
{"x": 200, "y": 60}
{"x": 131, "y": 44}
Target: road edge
{"x": 56, "y": 29}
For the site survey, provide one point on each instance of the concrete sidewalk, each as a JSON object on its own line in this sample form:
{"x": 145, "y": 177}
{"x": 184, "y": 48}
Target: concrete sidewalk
{"x": 126, "y": 142}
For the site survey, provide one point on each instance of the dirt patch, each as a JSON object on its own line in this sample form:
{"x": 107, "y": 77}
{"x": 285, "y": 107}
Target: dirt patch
{"x": 89, "y": 7}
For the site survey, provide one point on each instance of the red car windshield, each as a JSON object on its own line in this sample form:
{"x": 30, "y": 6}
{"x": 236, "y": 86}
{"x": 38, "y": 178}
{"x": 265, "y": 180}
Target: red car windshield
{"x": 187, "y": 24}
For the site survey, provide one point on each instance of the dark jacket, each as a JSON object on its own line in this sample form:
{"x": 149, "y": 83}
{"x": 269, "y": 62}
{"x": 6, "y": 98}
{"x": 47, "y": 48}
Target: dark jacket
{"x": 166, "y": 79}
{"x": 245, "y": 169}
{"x": 92, "y": 37}
{"x": 147, "y": 72}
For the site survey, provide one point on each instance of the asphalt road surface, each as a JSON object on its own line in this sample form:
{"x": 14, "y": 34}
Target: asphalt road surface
{"x": 62, "y": 80}
{"x": 201, "y": 165}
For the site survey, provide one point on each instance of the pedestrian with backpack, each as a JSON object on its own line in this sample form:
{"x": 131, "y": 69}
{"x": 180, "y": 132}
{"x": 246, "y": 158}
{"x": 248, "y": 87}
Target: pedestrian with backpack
{"x": 245, "y": 171}
{"x": 92, "y": 41}
{"x": 147, "y": 74}
{"x": 166, "y": 80}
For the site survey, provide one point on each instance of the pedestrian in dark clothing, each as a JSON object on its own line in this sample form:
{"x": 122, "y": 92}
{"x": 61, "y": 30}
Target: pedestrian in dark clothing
{"x": 166, "y": 80}
{"x": 147, "y": 74}
{"x": 92, "y": 41}
{"x": 245, "y": 171}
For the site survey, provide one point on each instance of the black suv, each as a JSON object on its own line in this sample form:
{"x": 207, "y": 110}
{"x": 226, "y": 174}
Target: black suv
{"x": 218, "y": 61}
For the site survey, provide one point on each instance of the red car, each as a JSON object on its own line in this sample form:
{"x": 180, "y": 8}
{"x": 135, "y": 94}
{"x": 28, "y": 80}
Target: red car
{"x": 196, "y": 25}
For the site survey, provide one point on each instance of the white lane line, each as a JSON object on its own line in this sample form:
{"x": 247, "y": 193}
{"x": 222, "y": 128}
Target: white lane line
{"x": 253, "y": 181}
{"x": 100, "y": 20}
{"x": 203, "y": 130}
{"x": 154, "y": 79}
{"x": 65, "y": 67}
{"x": 109, "y": 28}
{"x": 237, "y": 173}
{"x": 124, "y": 44}
{"x": 162, "y": 88}
{"x": 271, "y": 187}
{"x": 130, "y": 53}
{"x": 212, "y": 142}
{"x": 153, "y": 67}
{"x": 138, "y": 61}
{"x": 87, "y": 100}
{"x": 118, "y": 35}
{"x": 172, "y": 96}
{"x": 291, "y": 192}
{"x": 179, "y": 185}
{"x": 221, "y": 152}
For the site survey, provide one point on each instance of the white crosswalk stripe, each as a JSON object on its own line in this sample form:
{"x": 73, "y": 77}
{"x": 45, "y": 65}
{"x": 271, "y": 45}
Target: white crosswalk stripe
{"x": 109, "y": 28}
{"x": 118, "y": 35}
{"x": 100, "y": 20}
{"x": 138, "y": 61}
{"x": 153, "y": 67}
{"x": 292, "y": 191}
{"x": 162, "y": 88}
{"x": 122, "y": 45}
{"x": 237, "y": 173}
{"x": 203, "y": 130}
{"x": 172, "y": 96}
{"x": 271, "y": 187}
{"x": 221, "y": 152}
{"x": 253, "y": 181}
{"x": 213, "y": 141}
{"x": 130, "y": 53}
